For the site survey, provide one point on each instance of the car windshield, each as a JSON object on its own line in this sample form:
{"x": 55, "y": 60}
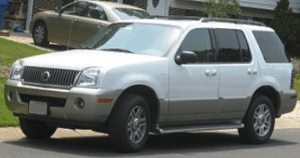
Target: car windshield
{"x": 135, "y": 38}
{"x": 128, "y": 14}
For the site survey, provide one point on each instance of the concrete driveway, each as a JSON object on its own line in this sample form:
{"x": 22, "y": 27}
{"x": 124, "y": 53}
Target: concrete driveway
{"x": 27, "y": 39}
{"x": 287, "y": 121}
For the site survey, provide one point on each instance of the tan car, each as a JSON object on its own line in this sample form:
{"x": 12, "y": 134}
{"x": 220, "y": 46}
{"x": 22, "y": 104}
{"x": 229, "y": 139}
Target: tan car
{"x": 76, "y": 22}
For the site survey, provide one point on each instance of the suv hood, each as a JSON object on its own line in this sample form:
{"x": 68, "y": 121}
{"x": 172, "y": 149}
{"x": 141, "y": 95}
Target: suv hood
{"x": 81, "y": 59}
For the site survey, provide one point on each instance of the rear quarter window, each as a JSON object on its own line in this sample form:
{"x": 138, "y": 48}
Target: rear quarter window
{"x": 271, "y": 47}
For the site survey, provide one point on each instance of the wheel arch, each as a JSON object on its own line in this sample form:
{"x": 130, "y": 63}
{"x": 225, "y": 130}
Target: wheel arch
{"x": 148, "y": 94}
{"x": 271, "y": 93}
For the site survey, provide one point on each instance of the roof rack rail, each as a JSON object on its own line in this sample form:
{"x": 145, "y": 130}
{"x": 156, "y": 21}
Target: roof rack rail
{"x": 204, "y": 19}
{"x": 235, "y": 21}
{"x": 173, "y": 17}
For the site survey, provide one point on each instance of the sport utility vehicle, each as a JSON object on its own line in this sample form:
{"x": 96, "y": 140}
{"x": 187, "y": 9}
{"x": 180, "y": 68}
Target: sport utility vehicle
{"x": 158, "y": 75}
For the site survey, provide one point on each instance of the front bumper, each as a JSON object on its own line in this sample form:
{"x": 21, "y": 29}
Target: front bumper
{"x": 92, "y": 113}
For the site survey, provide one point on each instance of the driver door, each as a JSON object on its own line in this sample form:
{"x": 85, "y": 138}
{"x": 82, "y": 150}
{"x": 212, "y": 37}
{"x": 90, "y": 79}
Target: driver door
{"x": 60, "y": 29}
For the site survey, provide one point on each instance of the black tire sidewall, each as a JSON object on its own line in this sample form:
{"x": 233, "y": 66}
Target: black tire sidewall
{"x": 118, "y": 123}
{"x": 258, "y": 100}
{"x": 36, "y": 129}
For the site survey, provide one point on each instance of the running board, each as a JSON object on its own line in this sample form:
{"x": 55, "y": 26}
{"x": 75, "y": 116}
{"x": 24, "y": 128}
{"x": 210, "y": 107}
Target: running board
{"x": 167, "y": 130}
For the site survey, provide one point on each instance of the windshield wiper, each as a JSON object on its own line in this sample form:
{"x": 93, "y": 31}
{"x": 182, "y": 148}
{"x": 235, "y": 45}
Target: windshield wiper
{"x": 86, "y": 47}
{"x": 118, "y": 50}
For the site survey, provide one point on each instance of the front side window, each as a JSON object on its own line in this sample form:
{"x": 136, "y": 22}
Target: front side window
{"x": 199, "y": 42}
{"x": 79, "y": 9}
{"x": 128, "y": 14}
{"x": 135, "y": 38}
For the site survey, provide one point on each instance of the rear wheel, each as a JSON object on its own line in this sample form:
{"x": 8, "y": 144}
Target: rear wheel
{"x": 36, "y": 129}
{"x": 129, "y": 124}
{"x": 40, "y": 34}
{"x": 259, "y": 121}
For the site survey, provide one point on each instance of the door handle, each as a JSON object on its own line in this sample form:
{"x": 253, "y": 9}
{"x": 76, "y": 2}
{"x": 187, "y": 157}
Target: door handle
{"x": 99, "y": 26}
{"x": 255, "y": 71}
{"x": 251, "y": 71}
{"x": 212, "y": 72}
{"x": 75, "y": 20}
{"x": 207, "y": 72}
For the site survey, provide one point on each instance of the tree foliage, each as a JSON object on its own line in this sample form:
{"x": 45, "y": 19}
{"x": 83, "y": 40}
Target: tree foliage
{"x": 223, "y": 8}
{"x": 286, "y": 24}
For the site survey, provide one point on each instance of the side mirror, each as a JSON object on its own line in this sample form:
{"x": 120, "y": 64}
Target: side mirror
{"x": 57, "y": 9}
{"x": 186, "y": 57}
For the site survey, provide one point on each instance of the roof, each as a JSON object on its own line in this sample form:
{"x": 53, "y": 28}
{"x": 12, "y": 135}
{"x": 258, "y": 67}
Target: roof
{"x": 182, "y": 23}
{"x": 112, "y": 4}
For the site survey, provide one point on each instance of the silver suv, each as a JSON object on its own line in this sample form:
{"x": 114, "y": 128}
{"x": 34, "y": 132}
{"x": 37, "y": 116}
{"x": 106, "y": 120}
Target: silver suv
{"x": 161, "y": 76}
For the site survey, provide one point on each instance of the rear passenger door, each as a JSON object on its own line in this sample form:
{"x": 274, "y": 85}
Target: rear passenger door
{"x": 238, "y": 73}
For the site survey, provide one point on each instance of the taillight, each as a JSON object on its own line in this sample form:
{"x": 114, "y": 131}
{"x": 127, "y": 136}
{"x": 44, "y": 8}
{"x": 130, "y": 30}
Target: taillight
{"x": 292, "y": 79}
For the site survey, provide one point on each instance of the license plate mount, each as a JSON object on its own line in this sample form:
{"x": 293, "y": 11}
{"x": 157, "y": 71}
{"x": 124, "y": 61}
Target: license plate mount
{"x": 38, "y": 108}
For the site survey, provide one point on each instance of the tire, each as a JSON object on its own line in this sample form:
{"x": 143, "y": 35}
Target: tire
{"x": 40, "y": 34}
{"x": 129, "y": 124}
{"x": 259, "y": 121}
{"x": 36, "y": 129}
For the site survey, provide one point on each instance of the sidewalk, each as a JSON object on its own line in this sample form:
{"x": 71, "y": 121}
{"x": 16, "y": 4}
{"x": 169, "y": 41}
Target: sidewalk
{"x": 27, "y": 39}
{"x": 287, "y": 121}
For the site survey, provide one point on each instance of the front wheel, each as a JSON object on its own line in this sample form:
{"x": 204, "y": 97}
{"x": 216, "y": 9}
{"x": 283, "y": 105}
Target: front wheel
{"x": 259, "y": 121}
{"x": 36, "y": 129}
{"x": 129, "y": 124}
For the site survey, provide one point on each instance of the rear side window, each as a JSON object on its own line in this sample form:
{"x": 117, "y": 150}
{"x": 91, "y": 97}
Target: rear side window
{"x": 246, "y": 55}
{"x": 229, "y": 50}
{"x": 271, "y": 47}
{"x": 233, "y": 46}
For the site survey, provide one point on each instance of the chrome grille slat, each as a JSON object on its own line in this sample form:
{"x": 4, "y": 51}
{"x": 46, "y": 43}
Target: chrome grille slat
{"x": 58, "y": 78}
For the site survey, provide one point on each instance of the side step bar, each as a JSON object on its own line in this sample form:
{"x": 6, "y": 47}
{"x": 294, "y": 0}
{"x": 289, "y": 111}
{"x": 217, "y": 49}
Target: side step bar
{"x": 167, "y": 130}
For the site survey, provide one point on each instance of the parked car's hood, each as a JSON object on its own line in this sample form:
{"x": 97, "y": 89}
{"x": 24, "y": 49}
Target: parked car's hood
{"x": 81, "y": 59}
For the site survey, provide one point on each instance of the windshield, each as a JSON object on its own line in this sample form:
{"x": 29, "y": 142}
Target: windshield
{"x": 128, "y": 14}
{"x": 135, "y": 38}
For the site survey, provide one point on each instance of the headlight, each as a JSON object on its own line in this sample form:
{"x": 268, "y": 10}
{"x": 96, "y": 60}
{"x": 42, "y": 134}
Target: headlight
{"x": 16, "y": 70}
{"x": 89, "y": 78}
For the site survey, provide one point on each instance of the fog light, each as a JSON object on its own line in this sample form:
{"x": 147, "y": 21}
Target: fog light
{"x": 79, "y": 103}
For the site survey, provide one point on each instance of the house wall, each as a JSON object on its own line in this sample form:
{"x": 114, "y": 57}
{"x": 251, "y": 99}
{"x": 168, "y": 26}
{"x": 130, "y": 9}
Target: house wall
{"x": 41, "y": 5}
{"x": 140, "y": 3}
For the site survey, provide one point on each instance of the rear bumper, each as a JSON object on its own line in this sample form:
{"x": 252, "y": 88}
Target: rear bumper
{"x": 288, "y": 101}
{"x": 92, "y": 113}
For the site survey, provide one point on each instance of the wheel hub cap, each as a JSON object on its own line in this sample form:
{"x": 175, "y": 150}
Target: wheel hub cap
{"x": 136, "y": 125}
{"x": 262, "y": 120}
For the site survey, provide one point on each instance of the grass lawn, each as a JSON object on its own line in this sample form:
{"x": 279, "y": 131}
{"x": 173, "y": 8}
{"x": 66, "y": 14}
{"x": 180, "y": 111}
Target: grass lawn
{"x": 297, "y": 84}
{"x": 9, "y": 52}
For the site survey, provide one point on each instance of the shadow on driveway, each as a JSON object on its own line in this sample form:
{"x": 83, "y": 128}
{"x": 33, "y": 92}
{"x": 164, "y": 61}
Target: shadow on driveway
{"x": 184, "y": 144}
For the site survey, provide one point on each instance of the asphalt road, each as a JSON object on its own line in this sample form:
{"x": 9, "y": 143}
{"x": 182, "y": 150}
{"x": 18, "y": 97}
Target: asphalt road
{"x": 283, "y": 144}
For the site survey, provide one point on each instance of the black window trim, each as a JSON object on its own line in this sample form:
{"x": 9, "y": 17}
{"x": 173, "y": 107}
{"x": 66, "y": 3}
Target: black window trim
{"x": 213, "y": 47}
{"x": 217, "y": 46}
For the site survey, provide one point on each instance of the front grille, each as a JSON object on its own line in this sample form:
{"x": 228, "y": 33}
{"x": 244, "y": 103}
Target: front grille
{"x": 57, "y": 77}
{"x": 51, "y": 101}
